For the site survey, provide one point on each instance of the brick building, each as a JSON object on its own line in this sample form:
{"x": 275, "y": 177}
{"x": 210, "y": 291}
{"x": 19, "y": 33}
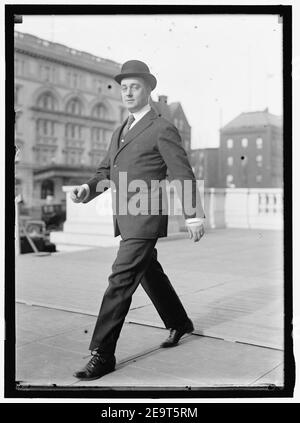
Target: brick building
{"x": 205, "y": 164}
{"x": 175, "y": 114}
{"x": 251, "y": 151}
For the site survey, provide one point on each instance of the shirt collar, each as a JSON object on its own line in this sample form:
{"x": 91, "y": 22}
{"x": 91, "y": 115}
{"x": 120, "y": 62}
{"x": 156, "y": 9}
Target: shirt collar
{"x": 141, "y": 113}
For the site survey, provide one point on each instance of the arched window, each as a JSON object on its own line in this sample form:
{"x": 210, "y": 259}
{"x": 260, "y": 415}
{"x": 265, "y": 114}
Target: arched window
{"x": 47, "y": 101}
{"x": 74, "y": 107}
{"x": 47, "y": 188}
{"x": 99, "y": 111}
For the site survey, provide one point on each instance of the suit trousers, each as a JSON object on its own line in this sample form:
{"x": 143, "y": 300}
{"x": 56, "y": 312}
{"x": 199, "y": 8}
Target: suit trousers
{"x": 136, "y": 262}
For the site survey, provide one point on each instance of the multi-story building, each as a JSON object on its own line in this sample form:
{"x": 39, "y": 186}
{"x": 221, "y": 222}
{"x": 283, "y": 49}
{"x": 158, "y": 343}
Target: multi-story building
{"x": 67, "y": 106}
{"x": 205, "y": 164}
{"x": 251, "y": 151}
{"x": 175, "y": 114}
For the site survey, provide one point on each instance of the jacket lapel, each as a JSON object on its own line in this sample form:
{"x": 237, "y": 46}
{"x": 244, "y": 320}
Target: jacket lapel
{"x": 140, "y": 127}
{"x": 116, "y": 137}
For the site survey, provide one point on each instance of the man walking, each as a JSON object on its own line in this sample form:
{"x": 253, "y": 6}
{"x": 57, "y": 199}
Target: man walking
{"x": 144, "y": 147}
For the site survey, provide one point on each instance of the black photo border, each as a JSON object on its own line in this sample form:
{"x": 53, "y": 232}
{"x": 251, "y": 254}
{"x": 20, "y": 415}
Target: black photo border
{"x": 11, "y": 388}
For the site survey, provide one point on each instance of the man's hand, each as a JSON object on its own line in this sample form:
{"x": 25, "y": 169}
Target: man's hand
{"x": 196, "y": 231}
{"x": 78, "y": 194}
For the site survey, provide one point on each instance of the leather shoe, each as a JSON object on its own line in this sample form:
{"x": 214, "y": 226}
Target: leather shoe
{"x": 176, "y": 334}
{"x": 97, "y": 367}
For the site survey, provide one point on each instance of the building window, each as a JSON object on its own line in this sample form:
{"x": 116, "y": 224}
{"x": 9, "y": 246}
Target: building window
{"x": 244, "y": 160}
{"x": 17, "y": 94}
{"x": 245, "y": 142}
{"x": 258, "y": 178}
{"x": 18, "y": 150}
{"x": 47, "y": 73}
{"x": 108, "y": 135}
{"x": 259, "y": 160}
{"x": 97, "y": 134}
{"x": 229, "y": 143}
{"x": 229, "y": 180}
{"x": 45, "y": 156}
{"x": 73, "y": 131}
{"x": 45, "y": 127}
{"x": 19, "y": 67}
{"x": 74, "y": 107}
{"x": 47, "y": 102}
{"x": 98, "y": 85}
{"x": 230, "y": 161}
{"x": 74, "y": 157}
{"x": 74, "y": 79}
{"x": 99, "y": 111}
{"x": 47, "y": 188}
{"x": 259, "y": 143}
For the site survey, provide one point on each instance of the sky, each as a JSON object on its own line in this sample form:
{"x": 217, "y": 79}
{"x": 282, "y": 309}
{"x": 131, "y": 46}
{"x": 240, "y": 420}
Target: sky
{"x": 217, "y": 66}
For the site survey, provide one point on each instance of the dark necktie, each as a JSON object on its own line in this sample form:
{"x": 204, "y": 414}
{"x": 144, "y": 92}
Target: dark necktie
{"x": 128, "y": 124}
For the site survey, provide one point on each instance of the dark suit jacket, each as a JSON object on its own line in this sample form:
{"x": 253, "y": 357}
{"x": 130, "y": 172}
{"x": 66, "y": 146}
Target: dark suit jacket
{"x": 150, "y": 148}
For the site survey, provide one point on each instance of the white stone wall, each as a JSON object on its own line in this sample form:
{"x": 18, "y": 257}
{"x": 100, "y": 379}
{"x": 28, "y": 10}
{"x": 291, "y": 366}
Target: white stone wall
{"x": 91, "y": 224}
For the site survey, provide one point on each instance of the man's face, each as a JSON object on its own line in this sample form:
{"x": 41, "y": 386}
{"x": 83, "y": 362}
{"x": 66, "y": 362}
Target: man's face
{"x": 135, "y": 93}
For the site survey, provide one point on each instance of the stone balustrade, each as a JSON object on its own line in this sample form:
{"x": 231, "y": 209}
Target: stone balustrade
{"x": 91, "y": 224}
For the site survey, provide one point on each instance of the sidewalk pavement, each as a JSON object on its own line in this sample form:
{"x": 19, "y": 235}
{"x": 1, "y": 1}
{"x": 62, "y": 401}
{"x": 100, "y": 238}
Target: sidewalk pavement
{"x": 231, "y": 284}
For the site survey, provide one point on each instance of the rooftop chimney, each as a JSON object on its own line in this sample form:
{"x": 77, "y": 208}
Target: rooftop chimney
{"x": 162, "y": 99}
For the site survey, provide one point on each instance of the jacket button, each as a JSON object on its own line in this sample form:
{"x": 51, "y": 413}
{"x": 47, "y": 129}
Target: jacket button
{"x": 115, "y": 166}
{"x": 122, "y": 140}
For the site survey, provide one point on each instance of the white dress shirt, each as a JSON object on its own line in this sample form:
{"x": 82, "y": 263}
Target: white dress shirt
{"x": 138, "y": 116}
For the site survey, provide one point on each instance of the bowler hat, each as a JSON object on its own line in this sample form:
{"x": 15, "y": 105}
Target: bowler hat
{"x": 136, "y": 68}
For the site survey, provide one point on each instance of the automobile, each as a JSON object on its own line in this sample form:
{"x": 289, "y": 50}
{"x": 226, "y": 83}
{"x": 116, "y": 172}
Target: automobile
{"x": 53, "y": 215}
{"x": 34, "y": 235}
